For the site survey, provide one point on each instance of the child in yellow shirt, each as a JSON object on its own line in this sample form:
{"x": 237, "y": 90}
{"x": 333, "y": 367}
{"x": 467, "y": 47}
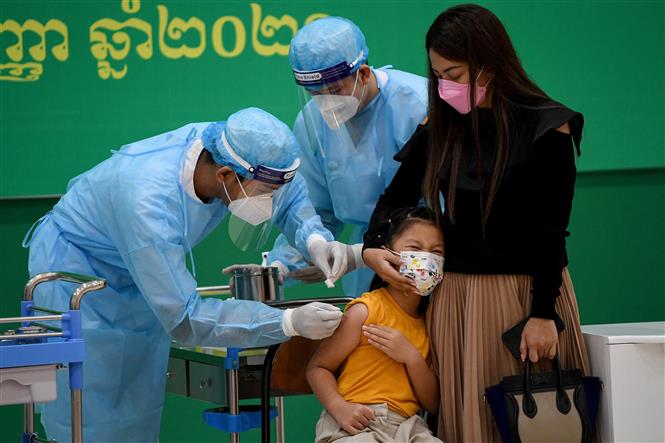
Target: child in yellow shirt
{"x": 373, "y": 375}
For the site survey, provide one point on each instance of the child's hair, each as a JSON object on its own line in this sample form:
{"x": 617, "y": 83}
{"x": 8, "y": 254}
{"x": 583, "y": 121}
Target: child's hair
{"x": 402, "y": 218}
{"x": 398, "y": 221}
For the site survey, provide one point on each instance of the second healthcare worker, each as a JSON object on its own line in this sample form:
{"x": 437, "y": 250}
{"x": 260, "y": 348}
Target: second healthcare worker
{"x": 132, "y": 220}
{"x": 354, "y": 120}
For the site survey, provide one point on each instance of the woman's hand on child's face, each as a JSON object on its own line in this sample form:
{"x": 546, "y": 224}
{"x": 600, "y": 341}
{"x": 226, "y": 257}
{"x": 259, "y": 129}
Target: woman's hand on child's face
{"x": 384, "y": 262}
{"x": 392, "y": 342}
{"x": 352, "y": 417}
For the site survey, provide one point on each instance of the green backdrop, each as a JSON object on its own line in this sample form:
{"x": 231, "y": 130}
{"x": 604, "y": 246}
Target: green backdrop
{"x": 184, "y": 61}
{"x": 603, "y": 58}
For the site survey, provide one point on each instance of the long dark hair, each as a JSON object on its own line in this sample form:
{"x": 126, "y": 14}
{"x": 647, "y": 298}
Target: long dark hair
{"x": 473, "y": 34}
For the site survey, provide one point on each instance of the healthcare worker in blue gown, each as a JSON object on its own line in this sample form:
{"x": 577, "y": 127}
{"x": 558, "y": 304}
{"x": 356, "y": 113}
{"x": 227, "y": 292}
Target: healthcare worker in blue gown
{"x": 133, "y": 220}
{"x": 354, "y": 120}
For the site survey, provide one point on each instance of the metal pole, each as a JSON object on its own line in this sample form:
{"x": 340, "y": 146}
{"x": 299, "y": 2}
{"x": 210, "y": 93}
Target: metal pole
{"x": 88, "y": 284}
{"x": 208, "y": 291}
{"x": 234, "y": 437}
{"x": 304, "y": 301}
{"x": 279, "y": 426}
{"x": 29, "y": 418}
{"x": 31, "y": 318}
{"x": 36, "y": 280}
{"x": 81, "y": 291}
{"x": 265, "y": 393}
{"x": 30, "y": 336}
{"x": 77, "y": 416}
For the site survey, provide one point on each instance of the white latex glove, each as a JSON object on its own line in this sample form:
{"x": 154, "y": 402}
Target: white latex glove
{"x": 329, "y": 256}
{"x": 312, "y": 274}
{"x": 315, "y": 320}
{"x": 354, "y": 254}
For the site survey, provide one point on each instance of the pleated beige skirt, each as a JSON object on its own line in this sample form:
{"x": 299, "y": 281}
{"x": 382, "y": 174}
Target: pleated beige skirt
{"x": 466, "y": 317}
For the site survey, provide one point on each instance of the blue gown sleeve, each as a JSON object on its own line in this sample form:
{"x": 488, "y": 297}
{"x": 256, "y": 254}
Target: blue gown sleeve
{"x": 283, "y": 252}
{"x": 149, "y": 234}
{"x": 295, "y": 216}
{"x": 313, "y": 171}
{"x": 313, "y": 177}
{"x": 407, "y": 106}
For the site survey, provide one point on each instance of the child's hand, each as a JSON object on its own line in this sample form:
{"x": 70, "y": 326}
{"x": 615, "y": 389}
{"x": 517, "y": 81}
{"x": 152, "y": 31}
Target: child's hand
{"x": 392, "y": 342}
{"x": 352, "y": 417}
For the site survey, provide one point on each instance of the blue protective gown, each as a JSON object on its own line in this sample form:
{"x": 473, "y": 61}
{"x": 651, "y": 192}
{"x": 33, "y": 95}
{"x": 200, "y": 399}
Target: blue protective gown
{"x": 130, "y": 221}
{"x": 345, "y": 182}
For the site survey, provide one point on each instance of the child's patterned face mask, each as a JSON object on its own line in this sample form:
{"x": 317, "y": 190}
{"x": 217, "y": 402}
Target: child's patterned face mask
{"x": 425, "y": 268}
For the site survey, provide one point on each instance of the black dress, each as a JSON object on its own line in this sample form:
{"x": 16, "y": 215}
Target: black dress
{"x": 526, "y": 228}
{"x": 492, "y": 270}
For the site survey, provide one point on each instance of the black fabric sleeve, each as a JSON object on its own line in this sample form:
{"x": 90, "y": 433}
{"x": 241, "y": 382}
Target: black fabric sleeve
{"x": 554, "y": 115}
{"x": 554, "y": 172}
{"x": 404, "y": 190}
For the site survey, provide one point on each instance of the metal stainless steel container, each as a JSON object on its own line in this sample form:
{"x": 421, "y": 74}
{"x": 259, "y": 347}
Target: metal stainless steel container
{"x": 258, "y": 284}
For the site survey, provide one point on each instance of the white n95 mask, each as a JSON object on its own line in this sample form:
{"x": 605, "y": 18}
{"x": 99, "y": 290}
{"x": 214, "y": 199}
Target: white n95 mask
{"x": 425, "y": 268}
{"x": 338, "y": 109}
{"x": 253, "y": 210}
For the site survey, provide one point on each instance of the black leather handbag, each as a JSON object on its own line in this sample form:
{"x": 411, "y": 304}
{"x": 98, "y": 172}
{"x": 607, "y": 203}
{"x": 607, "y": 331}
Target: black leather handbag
{"x": 555, "y": 406}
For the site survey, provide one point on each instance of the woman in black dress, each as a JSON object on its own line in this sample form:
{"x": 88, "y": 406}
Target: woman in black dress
{"x": 501, "y": 155}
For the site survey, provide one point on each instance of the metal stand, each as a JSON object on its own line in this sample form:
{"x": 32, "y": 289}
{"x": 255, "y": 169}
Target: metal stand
{"x": 232, "y": 386}
{"x": 267, "y": 370}
{"x": 235, "y": 419}
{"x": 62, "y": 345}
{"x": 265, "y": 393}
{"x": 279, "y": 423}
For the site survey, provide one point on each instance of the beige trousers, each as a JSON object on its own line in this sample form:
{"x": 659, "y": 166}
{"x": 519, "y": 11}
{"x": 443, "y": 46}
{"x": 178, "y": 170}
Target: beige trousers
{"x": 387, "y": 427}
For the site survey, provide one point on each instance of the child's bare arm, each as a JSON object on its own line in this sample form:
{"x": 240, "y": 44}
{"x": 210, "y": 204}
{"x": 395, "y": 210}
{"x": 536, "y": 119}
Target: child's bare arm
{"x": 324, "y": 364}
{"x": 399, "y": 348}
{"x": 424, "y": 383}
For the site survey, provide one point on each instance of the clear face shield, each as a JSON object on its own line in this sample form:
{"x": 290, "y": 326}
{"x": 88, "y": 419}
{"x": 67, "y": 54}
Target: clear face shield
{"x": 331, "y": 100}
{"x": 254, "y": 201}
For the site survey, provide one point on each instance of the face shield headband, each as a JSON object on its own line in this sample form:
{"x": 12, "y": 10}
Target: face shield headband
{"x": 320, "y": 77}
{"x": 262, "y": 173}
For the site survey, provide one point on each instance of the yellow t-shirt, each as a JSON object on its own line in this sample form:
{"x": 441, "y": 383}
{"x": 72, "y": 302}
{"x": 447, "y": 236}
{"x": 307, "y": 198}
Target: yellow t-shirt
{"x": 368, "y": 375}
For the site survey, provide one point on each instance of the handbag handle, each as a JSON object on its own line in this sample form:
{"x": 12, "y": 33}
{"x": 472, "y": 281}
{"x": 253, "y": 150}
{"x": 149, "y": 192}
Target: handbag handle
{"x": 529, "y": 405}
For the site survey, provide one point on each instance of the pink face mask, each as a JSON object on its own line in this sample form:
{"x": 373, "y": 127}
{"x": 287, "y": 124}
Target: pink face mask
{"x": 458, "y": 95}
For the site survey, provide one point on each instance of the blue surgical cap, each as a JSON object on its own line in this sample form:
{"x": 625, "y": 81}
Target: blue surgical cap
{"x": 326, "y": 42}
{"x": 256, "y": 136}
